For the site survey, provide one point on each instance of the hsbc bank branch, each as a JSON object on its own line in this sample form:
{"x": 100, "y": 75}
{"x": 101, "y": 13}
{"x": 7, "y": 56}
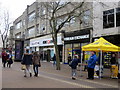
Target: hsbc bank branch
{"x": 44, "y": 45}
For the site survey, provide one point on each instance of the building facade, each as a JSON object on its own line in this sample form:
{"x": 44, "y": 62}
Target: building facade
{"x": 32, "y": 30}
{"x": 100, "y": 19}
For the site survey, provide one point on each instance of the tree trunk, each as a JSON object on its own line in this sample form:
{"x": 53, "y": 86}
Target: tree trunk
{"x": 56, "y": 52}
{"x": 3, "y": 45}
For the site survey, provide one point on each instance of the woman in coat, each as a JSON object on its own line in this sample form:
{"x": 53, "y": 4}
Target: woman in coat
{"x": 4, "y": 58}
{"x": 36, "y": 63}
{"x": 27, "y": 61}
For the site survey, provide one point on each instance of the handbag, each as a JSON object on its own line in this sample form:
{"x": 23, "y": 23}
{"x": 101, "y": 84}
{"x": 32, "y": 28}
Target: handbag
{"x": 23, "y": 67}
{"x": 39, "y": 64}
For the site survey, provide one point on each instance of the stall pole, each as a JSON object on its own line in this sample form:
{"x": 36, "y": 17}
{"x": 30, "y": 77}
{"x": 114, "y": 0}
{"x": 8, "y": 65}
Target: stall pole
{"x": 81, "y": 65}
{"x": 100, "y": 64}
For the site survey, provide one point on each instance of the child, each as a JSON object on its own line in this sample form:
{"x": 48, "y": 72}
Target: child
{"x": 73, "y": 66}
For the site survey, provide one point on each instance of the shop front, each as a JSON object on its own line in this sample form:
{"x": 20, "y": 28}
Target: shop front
{"x": 73, "y": 41}
{"x": 44, "y": 45}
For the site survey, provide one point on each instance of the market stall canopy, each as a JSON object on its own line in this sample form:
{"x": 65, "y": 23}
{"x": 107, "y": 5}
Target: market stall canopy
{"x": 101, "y": 44}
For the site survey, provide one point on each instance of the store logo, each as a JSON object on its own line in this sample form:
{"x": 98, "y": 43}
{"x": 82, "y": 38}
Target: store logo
{"x": 76, "y": 37}
{"x": 47, "y": 41}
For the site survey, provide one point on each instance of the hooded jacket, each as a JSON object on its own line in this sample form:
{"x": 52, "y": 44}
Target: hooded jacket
{"x": 74, "y": 63}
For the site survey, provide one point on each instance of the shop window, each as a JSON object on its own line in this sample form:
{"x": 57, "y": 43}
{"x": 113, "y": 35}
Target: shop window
{"x": 108, "y": 18}
{"x": 118, "y": 16}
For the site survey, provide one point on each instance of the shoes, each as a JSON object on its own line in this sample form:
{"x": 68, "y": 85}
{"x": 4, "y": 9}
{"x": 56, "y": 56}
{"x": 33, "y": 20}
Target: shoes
{"x": 30, "y": 74}
{"x": 90, "y": 78}
{"x": 87, "y": 78}
{"x": 36, "y": 75}
{"x": 73, "y": 78}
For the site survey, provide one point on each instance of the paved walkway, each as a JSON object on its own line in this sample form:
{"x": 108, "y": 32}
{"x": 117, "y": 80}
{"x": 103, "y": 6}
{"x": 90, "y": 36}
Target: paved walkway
{"x": 49, "y": 77}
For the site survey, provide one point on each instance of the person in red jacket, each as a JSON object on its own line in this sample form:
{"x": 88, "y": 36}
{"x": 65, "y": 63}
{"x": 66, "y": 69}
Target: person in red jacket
{"x": 4, "y": 58}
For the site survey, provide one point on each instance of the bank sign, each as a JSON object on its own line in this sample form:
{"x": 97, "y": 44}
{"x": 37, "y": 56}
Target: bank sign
{"x": 76, "y": 37}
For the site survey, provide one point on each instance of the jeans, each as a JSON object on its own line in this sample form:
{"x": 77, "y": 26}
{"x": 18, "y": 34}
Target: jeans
{"x": 73, "y": 72}
{"x": 35, "y": 68}
{"x": 54, "y": 62}
{"x": 27, "y": 69}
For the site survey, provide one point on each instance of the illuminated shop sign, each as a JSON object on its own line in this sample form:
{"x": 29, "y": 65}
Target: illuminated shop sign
{"x": 76, "y": 37}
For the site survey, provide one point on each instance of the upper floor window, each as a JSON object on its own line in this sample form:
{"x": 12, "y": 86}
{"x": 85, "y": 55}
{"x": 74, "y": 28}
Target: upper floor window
{"x": 18, "y": 35}
{"x": 108, "y": 18}
{"x": 31, "y": 17}
{"x": 73, "y": 20}
{"x": 31, "y": 31}
{"x": 18, "y": 25}
{"x": 86, "y": 18}
{"x": 43, "y": 10}
{"x": 23, "y": 22}
{"x": 37, "y": 29}
{"x": 118, "y": 16}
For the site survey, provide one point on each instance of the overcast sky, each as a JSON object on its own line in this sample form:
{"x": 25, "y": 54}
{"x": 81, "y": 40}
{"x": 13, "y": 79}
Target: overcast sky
{"x": 15, "y": 7}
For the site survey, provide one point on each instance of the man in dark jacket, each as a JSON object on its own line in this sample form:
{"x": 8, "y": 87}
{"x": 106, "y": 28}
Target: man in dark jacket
{"x": 91, "y": 65}
{"x": 73, "y": 66}
{"x": 27, "y": 61}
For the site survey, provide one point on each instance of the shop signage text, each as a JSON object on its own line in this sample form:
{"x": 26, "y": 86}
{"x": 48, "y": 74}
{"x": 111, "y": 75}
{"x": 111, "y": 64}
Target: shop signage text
{"x": 76, "y": 37}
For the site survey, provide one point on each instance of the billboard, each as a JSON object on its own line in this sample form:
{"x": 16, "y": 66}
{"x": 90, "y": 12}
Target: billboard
{"x": 19, "y": 48}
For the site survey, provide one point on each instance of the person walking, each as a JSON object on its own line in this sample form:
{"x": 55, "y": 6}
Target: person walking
{"x": 36, "y": 63}
{"x": 69, "y": 59}
{"x": 91, "y": 65}
{"x": 4, "y": 58}
{"x": 54, "y": 60}
{"x": 10, "y": 61}
{"x": 27, "y": 61}
{"x": 73, "y": 66}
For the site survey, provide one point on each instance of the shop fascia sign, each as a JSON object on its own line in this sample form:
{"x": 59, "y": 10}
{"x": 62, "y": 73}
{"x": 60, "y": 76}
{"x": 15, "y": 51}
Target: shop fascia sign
{"x": 35, "y": 43}
{"x": 45, "y": 42}
{"x": 76, "y": 37}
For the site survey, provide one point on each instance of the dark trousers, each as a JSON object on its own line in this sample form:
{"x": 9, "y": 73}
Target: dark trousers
{"x": 8, "y": 65}
{"x": 4, "y": 63}
{"x": 91, "y": 73}
{"x": 35, "y": 68}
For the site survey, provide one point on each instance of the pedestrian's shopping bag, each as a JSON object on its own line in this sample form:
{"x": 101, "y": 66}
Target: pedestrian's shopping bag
{"x": 23, "y": 67}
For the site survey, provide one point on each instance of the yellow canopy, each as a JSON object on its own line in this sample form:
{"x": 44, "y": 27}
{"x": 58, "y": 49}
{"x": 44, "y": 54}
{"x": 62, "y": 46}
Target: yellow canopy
{"x": 101, "y": 44}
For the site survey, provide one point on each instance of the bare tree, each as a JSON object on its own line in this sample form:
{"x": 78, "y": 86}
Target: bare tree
{"x": 60, "y": 13}
{"x": 5, "y": 27}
